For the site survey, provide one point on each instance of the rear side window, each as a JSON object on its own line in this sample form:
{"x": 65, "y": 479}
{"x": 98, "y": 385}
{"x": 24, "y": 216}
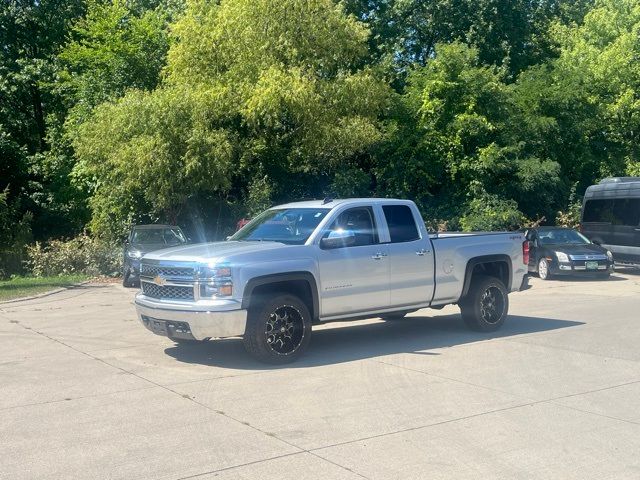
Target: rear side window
{"x": 627, "y": 211}
{"x": 619, "y": 211}
{"x": 598, "y": 211}
{"x": 402, "y": 226}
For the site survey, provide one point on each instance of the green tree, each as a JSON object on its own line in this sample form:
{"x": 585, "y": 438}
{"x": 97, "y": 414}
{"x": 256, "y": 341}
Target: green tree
{"x": 270, "y": 92}
{"x": 509, "y": 32}
{"x": 114, "y": 47}
{"x": 453, "y": 140}
{"x": 589, "y": 96}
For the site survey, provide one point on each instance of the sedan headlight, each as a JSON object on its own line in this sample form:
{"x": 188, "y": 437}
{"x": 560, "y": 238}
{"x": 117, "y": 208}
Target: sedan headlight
{"x": 562, "y": 257}
{"x": 215, "y": 281}
{"x": 609, "y": 256}
{"x": 134, "y": 254}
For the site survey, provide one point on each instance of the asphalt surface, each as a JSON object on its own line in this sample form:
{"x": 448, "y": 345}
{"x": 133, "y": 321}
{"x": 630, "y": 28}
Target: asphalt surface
{"x": 86, "y": 392}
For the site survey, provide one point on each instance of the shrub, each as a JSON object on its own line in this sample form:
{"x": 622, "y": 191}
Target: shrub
{"x": 570, "y": 217}
{"x": 489, "y": 212}
{"x": 81, "y": 255}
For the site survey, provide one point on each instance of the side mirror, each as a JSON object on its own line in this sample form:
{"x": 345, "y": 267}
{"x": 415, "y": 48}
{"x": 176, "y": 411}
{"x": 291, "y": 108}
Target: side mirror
{"x": 596, "y": 242}
{"x": 338, "y": 239}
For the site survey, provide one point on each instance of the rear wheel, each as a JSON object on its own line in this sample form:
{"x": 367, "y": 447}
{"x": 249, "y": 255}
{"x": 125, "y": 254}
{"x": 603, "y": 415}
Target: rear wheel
{"x": 486, "y": 305}
{"x": 543, "y": 269}
{"x": 278, "y": 329}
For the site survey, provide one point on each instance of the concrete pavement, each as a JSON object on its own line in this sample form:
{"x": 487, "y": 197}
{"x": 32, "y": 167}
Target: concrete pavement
{"x": 88, "y": 393}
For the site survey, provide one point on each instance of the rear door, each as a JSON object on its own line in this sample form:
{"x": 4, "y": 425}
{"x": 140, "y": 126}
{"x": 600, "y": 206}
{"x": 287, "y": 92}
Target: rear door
{"x": 356, "y": 278}
{"x": 411, "y": 276}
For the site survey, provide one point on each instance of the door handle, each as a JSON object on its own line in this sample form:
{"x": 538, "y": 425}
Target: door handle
{"x": 637, "y": 229}
{"x": 421, "y": 252}
{"x": 378, "y": 256}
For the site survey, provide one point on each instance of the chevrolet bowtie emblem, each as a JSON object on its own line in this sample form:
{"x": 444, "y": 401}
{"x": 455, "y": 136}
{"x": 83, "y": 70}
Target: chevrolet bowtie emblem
{"x": 159, "y": 280}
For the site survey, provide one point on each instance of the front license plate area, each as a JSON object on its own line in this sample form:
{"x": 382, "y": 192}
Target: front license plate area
{"x": 159, "y": 327}
{"x": 591, "y": 265}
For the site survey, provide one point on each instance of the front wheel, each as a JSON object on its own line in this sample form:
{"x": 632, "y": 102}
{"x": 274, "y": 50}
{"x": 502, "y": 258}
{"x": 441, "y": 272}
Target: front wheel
{"x": 486, "y": 305}
{"x": 126, "y": 280}
{"x": 278, "y": 329}
{"x": 543, "y": 269}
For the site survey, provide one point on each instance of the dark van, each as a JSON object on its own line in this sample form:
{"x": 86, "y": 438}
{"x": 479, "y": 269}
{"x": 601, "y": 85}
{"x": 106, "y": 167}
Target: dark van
{"x": 611, "y": 217}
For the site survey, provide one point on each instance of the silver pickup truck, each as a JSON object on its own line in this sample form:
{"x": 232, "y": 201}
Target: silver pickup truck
{"x": 304, "y": 263}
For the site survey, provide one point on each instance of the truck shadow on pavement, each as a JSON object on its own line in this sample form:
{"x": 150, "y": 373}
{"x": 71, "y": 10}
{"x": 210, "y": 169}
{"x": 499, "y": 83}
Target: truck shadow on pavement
{"x": 358, "y": 341}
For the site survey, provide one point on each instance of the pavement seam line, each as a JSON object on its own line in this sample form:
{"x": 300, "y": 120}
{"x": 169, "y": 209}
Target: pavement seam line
{"x": 455, "y": 380}
{"x": 255, "y": 462}
{"x": 566, "y": 349}
{"x": 593, "y": 413}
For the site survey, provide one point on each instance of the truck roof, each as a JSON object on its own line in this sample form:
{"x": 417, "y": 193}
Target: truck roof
{"x": 331, "y": 203}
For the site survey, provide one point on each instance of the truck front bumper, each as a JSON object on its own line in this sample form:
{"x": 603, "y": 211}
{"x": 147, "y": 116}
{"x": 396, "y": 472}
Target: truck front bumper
{"x": 191, "y": 324}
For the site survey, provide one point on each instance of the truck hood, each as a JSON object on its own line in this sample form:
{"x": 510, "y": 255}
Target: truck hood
{"x": 205, "y": 252}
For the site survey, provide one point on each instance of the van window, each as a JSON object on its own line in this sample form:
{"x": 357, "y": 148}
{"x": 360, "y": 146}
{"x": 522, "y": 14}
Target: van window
{"x": 598, "y": 211}
{"x": 619, "y": 211}
{"x": 402, "y": 226}
{"x": 627, "y": 211}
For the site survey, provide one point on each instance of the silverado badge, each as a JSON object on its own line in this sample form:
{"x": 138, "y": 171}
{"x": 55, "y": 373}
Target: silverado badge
{"x": 159, "y": 280}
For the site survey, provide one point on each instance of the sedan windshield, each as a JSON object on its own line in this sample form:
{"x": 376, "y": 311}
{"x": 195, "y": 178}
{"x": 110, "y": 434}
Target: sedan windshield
{"x": 562, "y": 237}
{"x": 158, "y": 236}
{"x": 292, "y": 226}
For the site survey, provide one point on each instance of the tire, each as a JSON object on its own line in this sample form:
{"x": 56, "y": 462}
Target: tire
{"x": 543, "y": 269}
{"x": 125, "y": 279}
{"x": 392, "y": 317}
{"x": 278, "y": 329}
{"x": 486, "y": 305}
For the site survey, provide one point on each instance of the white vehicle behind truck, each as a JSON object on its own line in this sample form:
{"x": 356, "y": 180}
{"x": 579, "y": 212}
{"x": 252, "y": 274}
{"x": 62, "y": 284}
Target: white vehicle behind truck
{"x": 305, "y": 263}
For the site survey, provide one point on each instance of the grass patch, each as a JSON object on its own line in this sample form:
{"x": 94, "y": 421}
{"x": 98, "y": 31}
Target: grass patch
{"x": 26, "y": 286}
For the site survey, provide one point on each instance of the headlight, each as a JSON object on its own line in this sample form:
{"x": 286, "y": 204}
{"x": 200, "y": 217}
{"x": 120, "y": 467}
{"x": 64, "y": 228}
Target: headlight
{"x": 215, "y": 281}
{"x": 562, "y": 257}
{"x": 134, "y": 254}
{"x": 609, "y": 256}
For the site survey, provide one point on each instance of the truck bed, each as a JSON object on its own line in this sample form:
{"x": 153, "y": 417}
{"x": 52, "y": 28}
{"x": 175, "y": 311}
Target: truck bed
{"x": 453, "y": 249}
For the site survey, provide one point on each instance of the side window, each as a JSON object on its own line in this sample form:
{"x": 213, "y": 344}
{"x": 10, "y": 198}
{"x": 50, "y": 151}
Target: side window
{"x": 402, "y": 226}
{"x": 627, "y": 211}
{"x": 360, "y": 221}
{"x": 599, "y": 211}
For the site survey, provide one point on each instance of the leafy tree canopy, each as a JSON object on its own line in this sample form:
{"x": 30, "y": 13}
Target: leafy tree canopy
{"x": 253, "y": 89}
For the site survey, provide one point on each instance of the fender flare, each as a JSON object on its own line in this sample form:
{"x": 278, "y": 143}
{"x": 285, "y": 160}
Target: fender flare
{"x": 471, "y": 264}
{"x": 283, "y": 277}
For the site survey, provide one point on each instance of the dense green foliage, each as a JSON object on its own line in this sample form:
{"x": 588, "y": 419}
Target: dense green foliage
{"x": 82, "y": 255}
{"x": 486, "y": 113}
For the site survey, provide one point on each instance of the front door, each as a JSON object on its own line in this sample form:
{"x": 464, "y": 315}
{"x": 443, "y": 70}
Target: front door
{"x": 354, "y": 278}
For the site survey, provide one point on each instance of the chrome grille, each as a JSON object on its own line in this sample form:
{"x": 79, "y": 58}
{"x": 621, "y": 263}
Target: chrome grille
{"x": 174, "y": 292}
{"x": 150, "y": 270}
{"x": 596, "y": 256}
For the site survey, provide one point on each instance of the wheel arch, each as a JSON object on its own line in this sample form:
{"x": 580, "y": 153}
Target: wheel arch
{"x": 498, "y": 266}
{"x": 302, "y": 284}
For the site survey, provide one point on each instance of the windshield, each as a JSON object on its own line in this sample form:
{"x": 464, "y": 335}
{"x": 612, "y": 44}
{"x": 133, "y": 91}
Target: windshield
{"x": 158, "y": 236}
{"x": 562, "y": 237}
{"x": 292, "y": 226}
